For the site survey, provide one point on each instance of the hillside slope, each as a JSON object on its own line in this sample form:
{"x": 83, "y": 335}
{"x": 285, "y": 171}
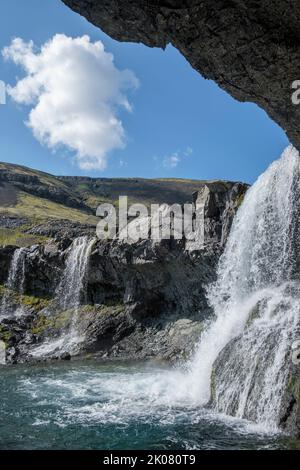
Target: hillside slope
{"x": 30, "y": 197}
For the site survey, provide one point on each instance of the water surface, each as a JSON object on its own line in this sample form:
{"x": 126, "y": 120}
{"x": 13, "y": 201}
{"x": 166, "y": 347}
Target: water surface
{"x": 90, "y": 405}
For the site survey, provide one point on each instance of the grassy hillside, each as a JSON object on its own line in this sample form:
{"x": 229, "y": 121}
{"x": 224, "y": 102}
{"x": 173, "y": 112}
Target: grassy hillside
{"x": 33, "y": 197}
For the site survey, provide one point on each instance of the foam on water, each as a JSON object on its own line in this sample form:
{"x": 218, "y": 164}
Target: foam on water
{"x": 122, "y": 397}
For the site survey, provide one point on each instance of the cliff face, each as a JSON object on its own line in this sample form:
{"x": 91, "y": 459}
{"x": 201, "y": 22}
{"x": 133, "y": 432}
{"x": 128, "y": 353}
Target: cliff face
{"x": 250, "y": 48}
{"x": 143, "y": 299}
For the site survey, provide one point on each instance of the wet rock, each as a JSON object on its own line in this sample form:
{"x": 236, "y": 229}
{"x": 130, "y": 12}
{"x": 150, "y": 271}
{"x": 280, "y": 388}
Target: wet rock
{"x": 290, "y": 408}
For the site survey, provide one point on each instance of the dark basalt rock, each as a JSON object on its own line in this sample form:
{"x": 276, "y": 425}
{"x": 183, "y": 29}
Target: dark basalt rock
{"x": 290, "y": 407}
{"x": 12, "y": 222}
{"x": 62, "y": 229}
{"x": 250, "y": 48}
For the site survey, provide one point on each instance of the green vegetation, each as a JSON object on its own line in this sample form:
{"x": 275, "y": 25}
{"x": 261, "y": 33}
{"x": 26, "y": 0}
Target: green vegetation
{"x": 36, "y": 303}
{"x": 109, "y": 308}
{"x": 17, "y": 237}
{"x": 5, "y": 334}
{"x": 239, "y": 200}
{"x": 38, "y": 209}
{"x": 44, "y": 178}
{"x": 57, "y": 322}
{"x": 63, "y": 319}
{"x": 21, "y": 190}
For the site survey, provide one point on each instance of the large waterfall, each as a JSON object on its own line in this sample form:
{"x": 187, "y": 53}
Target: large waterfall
{"x": 256, "y": 301}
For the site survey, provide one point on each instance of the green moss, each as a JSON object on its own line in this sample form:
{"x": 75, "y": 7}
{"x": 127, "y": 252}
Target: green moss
{"x": 57, "y": 322}
{"x": 87, "y": 309}
{"x": 2, "y": 290}
{"x": 239, "y": 199}
{"x": 17, "y": 237}
{"x": 41, "y": 324}
{"x": 5, "y": 334}
{"x": 63, "y": 319}
{"x": 36, "y": 303}
{"x": 33, "y": 207}
{"x": 107, "y": 308}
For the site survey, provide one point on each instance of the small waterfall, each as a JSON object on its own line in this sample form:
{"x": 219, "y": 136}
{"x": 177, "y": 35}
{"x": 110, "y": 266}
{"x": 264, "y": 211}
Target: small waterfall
{"x": 69, "y": 295}
{"x": 72, "y": 286}
{"x": 15, "y": 281}
{"x": 256, "y": 301}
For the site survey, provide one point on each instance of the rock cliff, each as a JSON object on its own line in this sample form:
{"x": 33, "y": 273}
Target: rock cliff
{"x": 143, "y": 299}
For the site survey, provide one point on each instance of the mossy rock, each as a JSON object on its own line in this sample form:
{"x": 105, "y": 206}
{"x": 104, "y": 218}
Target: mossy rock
{"x": 103, "y": 309}
{"x": 239, "y": 200}
{"x": 28, "y": 301}
{"x": 5, "y": 334}
{"x": 57, "y": 322}
{"x": 109, "y": 309}
{"x": 19, "y": 237}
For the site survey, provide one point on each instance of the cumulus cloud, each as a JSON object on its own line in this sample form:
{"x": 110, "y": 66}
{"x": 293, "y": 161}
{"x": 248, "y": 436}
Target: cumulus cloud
{"x": 74, "y": 91}
{"x": 173, "y": 160}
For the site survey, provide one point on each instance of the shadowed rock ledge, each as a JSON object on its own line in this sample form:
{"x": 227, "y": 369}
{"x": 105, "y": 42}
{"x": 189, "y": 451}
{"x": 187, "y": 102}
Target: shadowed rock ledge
{"x": 249, "y": 47}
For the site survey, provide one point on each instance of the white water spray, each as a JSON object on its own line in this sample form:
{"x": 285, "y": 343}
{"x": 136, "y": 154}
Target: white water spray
{"x": 256, "y": 301}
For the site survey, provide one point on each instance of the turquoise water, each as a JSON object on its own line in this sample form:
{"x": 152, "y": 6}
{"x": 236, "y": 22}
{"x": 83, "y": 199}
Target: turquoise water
{"x": 90, "y": 405}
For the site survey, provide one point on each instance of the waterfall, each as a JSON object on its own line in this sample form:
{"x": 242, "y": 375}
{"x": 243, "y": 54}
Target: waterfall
{"x": 245, "y": 350}
{"x": 15, "y": 281}
{"x": 69, "y": 295}
{"x": 72, "y": 286}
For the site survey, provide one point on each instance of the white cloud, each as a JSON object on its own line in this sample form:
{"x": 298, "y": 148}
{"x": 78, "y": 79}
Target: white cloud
{"x": 173, "y": 160}
{"x": 75, "y": 91}
{"x": 188, "y": 151}
{"x": 122, "y": 163}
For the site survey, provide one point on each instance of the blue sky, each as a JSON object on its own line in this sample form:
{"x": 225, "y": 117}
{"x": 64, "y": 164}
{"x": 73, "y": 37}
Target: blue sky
{"x": 180, "y": 126}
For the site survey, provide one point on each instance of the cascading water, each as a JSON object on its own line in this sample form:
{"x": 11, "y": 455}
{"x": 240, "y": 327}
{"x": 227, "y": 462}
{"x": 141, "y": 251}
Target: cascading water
{"x": 256, "y": 301}
{"x": 69, "y": 296}
{"x": 72, "y": 285}
{"x": 15, "y": 281}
